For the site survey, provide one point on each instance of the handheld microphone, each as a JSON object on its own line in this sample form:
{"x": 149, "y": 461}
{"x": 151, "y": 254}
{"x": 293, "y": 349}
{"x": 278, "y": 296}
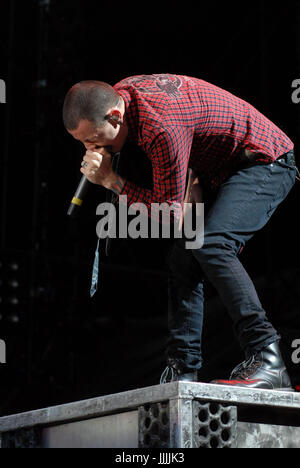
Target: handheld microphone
{"x": 83, "y": 186}
{"x": 79, "y": 196}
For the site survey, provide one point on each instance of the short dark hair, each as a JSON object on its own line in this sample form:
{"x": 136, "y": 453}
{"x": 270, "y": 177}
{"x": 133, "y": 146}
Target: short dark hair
{"x": 88, "y": 100}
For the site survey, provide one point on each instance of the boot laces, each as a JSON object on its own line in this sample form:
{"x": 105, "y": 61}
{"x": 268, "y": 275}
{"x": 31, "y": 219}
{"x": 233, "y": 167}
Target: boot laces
{"x": 168, "y": 375}
{"x": 246, "y": 368}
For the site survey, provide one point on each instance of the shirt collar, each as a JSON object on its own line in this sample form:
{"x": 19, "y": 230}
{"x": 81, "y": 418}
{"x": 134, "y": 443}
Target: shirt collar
{"x": 131, "y": 115}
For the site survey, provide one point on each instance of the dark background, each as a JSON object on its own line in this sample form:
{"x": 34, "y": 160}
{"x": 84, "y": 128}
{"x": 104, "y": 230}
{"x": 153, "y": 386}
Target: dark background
{"x": 62, "y": 346}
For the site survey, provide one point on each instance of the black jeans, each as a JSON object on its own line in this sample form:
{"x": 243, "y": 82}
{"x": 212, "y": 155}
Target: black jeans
{"x": 243, "y": 206}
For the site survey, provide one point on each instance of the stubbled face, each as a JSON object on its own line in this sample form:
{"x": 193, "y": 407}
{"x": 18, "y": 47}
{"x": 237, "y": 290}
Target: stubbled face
{"x": 110, "y": 136}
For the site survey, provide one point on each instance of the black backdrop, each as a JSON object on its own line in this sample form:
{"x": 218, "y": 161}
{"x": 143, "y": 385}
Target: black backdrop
{"x": 62, "y": 346}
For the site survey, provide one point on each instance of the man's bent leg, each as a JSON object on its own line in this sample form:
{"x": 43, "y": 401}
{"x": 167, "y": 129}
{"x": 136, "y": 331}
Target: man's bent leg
{"x": 185, "y": 313}
{"x": 238, "y": 294}
{"x": 244, "y": 205}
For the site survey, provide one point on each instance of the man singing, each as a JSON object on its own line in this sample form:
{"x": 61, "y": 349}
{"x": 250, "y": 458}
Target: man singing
{"x": 184, "y": 124}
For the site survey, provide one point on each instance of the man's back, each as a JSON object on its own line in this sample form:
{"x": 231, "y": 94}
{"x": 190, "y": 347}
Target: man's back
{"x": 212, "y": 125}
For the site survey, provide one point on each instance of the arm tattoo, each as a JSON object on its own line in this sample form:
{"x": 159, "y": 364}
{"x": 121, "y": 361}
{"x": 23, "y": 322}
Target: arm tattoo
{"x": 118, "y": 185}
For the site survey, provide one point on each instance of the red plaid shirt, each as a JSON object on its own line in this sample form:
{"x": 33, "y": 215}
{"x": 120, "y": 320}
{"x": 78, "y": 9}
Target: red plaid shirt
{"x": 183, "y": 122}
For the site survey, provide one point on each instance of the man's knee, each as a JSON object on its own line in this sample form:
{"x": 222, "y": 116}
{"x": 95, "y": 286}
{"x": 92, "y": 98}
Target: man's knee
{"x": 217, "y": 251}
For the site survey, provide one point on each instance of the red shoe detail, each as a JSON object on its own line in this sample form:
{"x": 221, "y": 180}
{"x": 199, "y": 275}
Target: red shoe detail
{"x": 237, "y": 382}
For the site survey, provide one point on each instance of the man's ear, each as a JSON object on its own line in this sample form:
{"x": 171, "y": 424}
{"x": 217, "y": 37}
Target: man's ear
{"x": 114, "y": 117}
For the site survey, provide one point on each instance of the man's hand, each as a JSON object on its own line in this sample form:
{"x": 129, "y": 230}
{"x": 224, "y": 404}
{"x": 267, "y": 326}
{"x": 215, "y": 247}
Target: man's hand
{"x": 194, "y": 192}
{"x": 193, "y": 195}
{"x": 97, "y": 168}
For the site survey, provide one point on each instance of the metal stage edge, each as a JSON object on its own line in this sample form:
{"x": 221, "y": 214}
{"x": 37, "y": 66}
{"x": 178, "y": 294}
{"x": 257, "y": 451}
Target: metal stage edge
{"x": 174, "y": 415}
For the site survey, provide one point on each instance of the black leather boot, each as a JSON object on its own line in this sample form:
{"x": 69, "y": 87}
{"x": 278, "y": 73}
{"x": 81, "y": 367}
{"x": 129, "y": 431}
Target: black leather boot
{"x": 265, "y": 370}
{"x": 175, "y": 373}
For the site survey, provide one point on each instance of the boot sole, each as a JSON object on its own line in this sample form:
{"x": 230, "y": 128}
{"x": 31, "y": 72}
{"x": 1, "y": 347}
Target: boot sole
{"x": 284, "y": 390}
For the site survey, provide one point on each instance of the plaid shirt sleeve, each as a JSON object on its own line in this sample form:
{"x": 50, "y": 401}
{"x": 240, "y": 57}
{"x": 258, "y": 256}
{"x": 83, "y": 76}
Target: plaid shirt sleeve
{"x": 169, "y": 153}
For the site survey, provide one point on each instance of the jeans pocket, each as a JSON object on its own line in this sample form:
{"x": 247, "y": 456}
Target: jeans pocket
{"x": 287, "y": 165}
{"x": 288, "y": 160}
{"x": 284, "y": 175}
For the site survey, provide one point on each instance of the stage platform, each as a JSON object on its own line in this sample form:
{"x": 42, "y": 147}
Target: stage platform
{"x": 174, "y": 415}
